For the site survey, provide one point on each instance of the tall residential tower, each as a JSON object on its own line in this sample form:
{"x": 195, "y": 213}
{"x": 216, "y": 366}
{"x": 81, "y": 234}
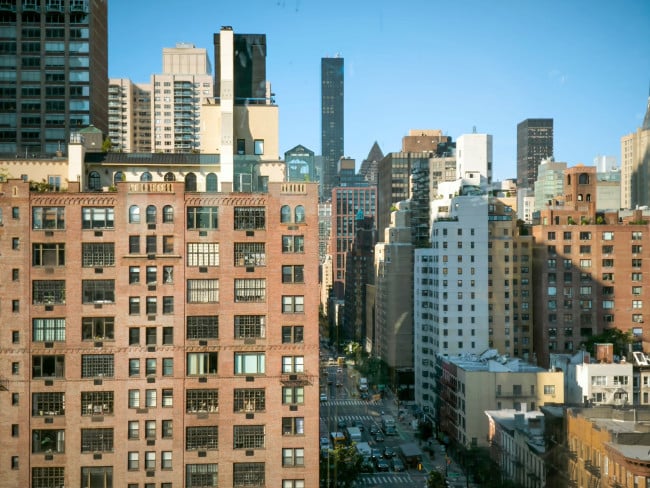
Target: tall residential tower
{"x": 534, "y": 143}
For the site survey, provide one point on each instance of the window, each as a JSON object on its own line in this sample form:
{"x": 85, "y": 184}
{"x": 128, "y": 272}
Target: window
{"x": 98, "y": 291}
{"x": 248, "y": 436}
{"x": 134, "y": 244}
{"x": 204, "y": 437}
{"x": 151, "y": 336}
{"x": 48, "y": 254}
{"x": 636, "y": 276}
{"x": 93, "y": 365}
{"x": 299, "y": 214}
{"x": 133, "y": 460}
{"x": 151, "y": 245}
{"x": 134, "y": 305}
{"x": 150, "y": 398}
{"x": 585, "y": 249}
{"x": 285, "y": 214}
{"x": 150, "y": 368}
{"x": 199, "y": 363}
{"x": 151, "y": 275}
{"x": 637, "y": 304}
{"x": 250, "y": 326}
{"x": 167, "y": 429}
{"x": 96, "y": 403}
{"x": 168, "y": 244}
{"x": 202, "y": 218}
{"x": 248, "y": 474}
{"x": 152, "y": 305}
{"x": 168, "y": 214}
{"x": 48, "y": 218}
{"x": 134, "y": 429}
{"x": 292, "y": 334}
{"x": 293, "y": 395}
{"x": 258, "y": 147}
{"x": 250, "y": 254}
{"x": 250, "y": 290}
{"x": 598, "y": 381}
{"x": 293, "y": 456}
{"x": 636, "y": 263}
{"x": 134, "y": 214}
{"x": 48, "y": 441}
{"x": 48, "y": 330}
{"x": 203, "y": 327}
{"x": 201, "y": 475}
{"x": 250, "y": 218}
{"x": 621, "y": 380}
{"x": 97, "y": 254}
{"x": 203, "y": 253}
{"x": 201, "y": 401}
{"x": 202, "y": 291}
{"x": 134, "y": 275}
{"x": 134, "y": 367}
{"x": 150, "y": 214}
{"x": 48, "y": 366}
{"x": 211, "y": 183}
{"x": 47, "y": 477}
{"x": 607, "y": 236}
{"x": 168, "y": 305}
{"x": 293, "y": 426}
{"x": 293, "y": 304}
{"x": 48, "y": 292}
{"x": 167, "y": 398}
{"x": 168, "y": 369}
{"x": 586, "y": 263}
{"x": 96, "y": 440}
{"x": 168, "y": 274}
{"x": 249, "y": 363}
{"x": 293, "y": 274}
{"x": 97, "y": 218}
{"x": 293, "y": 364}
{"x": 293, "y": 244}
{"x": 48, "y": 404}
{"x": 150, "y": 429}
{"x": 549, "y": 389}
{"x": 134, "y": 398}
{"x": 249, "y": 400}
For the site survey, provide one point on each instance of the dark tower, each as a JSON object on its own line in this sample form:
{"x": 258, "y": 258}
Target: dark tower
{"x": 331, "y": 122}
{"x": 54, "y": 78}
{"x": 534, "y": 143}
{"x": 249, "y": 69}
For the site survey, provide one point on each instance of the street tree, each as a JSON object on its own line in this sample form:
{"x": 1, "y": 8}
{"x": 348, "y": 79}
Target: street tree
{"x": 341, "y": 468}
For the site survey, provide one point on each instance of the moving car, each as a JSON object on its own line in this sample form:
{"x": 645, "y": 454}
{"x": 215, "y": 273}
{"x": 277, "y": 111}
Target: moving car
{"x": 389, "y": 452}
{"x": 382, "y": 465}
{"x": 376, "y": 453}
{"x": 323, "y": 397}
{"x": 374, "y": 430}
{"x": 379, "y": 437}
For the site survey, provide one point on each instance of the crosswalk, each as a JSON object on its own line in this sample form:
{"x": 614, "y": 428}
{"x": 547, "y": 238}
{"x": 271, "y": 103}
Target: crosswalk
{"x": 352, "y": 418}
{"x": 350, "y": 402}
{"x": 390, "y": 479}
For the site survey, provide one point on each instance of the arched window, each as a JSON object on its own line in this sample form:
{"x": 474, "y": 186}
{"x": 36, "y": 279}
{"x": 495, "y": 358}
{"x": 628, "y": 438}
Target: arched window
{"x": 579, "y": 197}
{"x": 568, "y": 179}
{"x": 211, "y": 183}
{"x": 151, "y": 214}
{"x": 557, "y": 220}
{"x": 589, "y": 197}
{"x": 134, "y": 214}
{"x": 583, "y": 179}
{"x": 190, "y": 182}
{"x": 168, "y": 214}
{"x": 169, "y": 177}
{"x": 285, "y": 214}
{"x": 94, "y": 181}
{"x": 146, "y": 176}
{"x": 117, "y": 177}
{"x": 300, "y": 214}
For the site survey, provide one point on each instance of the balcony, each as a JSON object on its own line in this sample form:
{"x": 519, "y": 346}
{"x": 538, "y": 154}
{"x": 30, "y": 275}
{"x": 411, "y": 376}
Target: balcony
{"x": 8, "y": 5}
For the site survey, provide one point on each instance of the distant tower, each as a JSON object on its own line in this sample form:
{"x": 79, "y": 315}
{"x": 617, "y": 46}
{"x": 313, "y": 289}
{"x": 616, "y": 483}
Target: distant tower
{"x": 331, "y": 122}
{"x": 534, "y": 143}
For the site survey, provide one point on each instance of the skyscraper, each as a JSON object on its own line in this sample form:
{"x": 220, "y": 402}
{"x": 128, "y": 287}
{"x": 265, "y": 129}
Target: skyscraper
{"x": 331, "y": 121}
{"x": 54, "y": 75}
{"x": 534, "y": 143}
{"x": 635, "y": 165}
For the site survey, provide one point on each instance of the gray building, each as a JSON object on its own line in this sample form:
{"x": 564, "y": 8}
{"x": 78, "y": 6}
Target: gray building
{"x": 54, "y": 73}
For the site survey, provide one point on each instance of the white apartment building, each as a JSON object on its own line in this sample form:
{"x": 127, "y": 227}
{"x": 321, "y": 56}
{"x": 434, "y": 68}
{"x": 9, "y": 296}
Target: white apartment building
{"x": 474, "y": 154}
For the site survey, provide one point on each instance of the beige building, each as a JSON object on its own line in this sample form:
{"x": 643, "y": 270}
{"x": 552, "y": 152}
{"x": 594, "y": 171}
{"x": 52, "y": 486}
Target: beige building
{"x": 472, "y": 384}
{"x": 635, "y": 166}
{"x": 129, "y": 115}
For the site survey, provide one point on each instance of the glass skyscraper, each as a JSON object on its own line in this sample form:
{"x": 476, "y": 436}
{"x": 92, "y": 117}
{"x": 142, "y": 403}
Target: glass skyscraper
{"x": 53, "y": 72}
{"x": 331, "y": 122}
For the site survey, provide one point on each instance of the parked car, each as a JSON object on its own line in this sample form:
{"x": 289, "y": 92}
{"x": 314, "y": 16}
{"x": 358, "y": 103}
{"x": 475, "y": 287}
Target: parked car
{"x": 375, "y": 453}
{"x": 398, "y": 465}
{"x": 379, "y": 437}
{"x": 389, "y": 452}
{"x": 367, "y": 466}
{"x": 374, "y": 430}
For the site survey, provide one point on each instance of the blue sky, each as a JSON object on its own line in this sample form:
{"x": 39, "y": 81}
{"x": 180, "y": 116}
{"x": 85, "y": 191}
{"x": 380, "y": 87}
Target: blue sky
{"x": 424, "y": 64}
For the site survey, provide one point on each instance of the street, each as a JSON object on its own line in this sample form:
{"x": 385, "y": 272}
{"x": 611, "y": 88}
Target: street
{"x": 344, "y": 407}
